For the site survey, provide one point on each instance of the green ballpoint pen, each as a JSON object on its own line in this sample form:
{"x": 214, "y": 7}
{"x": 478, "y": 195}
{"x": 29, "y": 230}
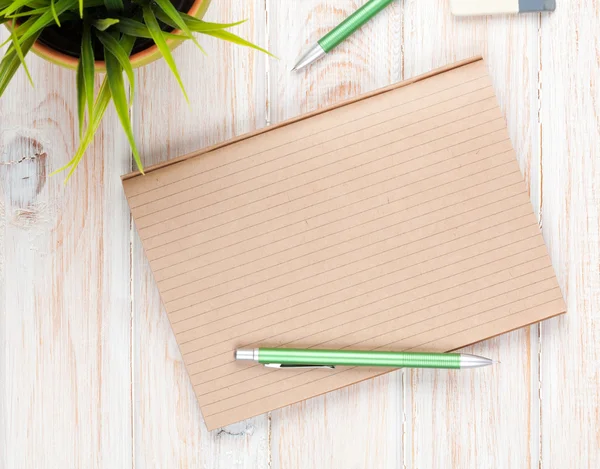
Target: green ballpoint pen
{"x": 315, "y": 358}
{"x": 341, "y": 32}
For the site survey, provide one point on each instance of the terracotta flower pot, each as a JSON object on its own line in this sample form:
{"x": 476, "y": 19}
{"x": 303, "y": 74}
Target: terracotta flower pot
{"x": 57, "y": 49}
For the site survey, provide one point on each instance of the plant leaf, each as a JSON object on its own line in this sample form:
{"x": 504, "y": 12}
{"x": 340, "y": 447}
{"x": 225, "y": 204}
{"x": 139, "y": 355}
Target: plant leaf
{"x": 112, "y": 45}
{"x": 53, "y": 9}
{"x": 104, "y": 23}
{"x": 100, "y": 107}
{"x": 19, "y": 30}
{"x": 230, "y": 37}
{"x": 20, "y": 54}
{"x": 11, "y": 62}
{"x": 14, "y": 6}
{"x": 114, "y": 5}
{"x": 88, "y": 65}
{"x": 213, "y": 29}
{"x": 31, "y": 5}
{"x": 80, "y": 97}
{"x": 28, "y": 13}
{"x": 159, "y": 39}
{"x": 200, "y": 26}
{"x": 46, "y": 18}
{"x": 169, "y": 10}
{"x": 138, "y": 29}
{"x": 98, "y": 112}
{"x": 114, "y": 73}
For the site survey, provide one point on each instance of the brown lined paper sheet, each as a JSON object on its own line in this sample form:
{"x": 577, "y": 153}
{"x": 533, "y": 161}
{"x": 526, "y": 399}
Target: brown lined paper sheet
{"x": 396, "y": 221}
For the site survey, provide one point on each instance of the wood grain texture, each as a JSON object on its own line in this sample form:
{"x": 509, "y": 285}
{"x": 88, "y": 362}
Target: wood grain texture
{"x": 469, "y": 409}
{"x": 350, "y": 427}
{"x": 80, "y": 314}
{"x": 227, "y": 98}
{"x": 570, "y": 163}
{"x": 64, "y": 270}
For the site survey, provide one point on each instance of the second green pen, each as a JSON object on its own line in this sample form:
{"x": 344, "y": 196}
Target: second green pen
{"x": 342, "y": 31}
{"x": 286, "y": 358}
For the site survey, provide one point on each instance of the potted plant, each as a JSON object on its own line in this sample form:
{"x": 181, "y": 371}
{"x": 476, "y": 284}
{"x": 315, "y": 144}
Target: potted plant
{"x": 111, "y": 36}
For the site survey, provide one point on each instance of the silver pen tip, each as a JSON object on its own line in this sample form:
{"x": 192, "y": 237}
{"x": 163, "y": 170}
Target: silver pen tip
{"x": 246, "y": 354}
{"x": 474, "y": 361}
{"x": 314, "y": 53}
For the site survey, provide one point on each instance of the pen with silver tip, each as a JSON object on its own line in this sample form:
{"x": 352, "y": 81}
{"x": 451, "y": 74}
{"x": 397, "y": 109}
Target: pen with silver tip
{"x": 315, "y": 358}
{"x": 341, "y": 32}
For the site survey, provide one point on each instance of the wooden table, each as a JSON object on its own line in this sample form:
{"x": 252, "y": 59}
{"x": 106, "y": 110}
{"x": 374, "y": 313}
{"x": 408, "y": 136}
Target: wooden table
{"x": 90, "y": 374}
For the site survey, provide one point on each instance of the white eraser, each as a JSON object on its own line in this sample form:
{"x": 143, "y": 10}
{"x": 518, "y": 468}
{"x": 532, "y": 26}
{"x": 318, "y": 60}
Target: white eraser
{"x": 494, "y": 7}
{"x": 483, "y": 7}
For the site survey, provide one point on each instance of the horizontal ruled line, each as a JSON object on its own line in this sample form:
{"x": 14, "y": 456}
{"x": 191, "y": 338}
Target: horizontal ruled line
{"x": 284, "y": 216}
{"x": 257, "y": 342}
{"x": 142, "y": 230}
{"x": 377, "y": 206}
{"x": 294, "y": 247}
{"x": 334, "y": 373}
{"x": 419, "y": 275}
{"x": 377, "y": 254}
{"x": 174, "y": 311}
{"x": 365, "y": 116}
{"x": 398, "y": 305}
{"x": 252, "y": 273}
{"x": 268, "y": 372}
{"x": 318, "y": 155}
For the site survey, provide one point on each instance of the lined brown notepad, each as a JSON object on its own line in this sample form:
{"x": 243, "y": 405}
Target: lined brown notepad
{"x": 396, "y": 221}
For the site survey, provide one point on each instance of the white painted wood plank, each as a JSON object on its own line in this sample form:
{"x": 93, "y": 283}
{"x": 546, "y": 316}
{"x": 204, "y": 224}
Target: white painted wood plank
{"x": 64, "y": 259}
{"x": 64, "y": 281}
{"x": 358, "y": 426}
{"x": 570, "y": 161}
{"x": 227, "y": 98}
{"x": 472, "y": 418}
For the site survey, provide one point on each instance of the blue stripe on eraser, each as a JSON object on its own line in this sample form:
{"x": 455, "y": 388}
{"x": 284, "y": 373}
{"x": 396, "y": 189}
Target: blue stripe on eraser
{"x": 536, "y": 5}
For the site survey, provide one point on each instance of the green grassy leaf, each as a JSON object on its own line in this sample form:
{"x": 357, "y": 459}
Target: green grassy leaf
{"x": 213, "y": 29}
{"x": 14, "y": 6}
{"x": 114, "y": 5}
{"x": 10, "y": 62}
{"x": 230, "y": 37}
{"x": 138, "y": 29}
{"x": 112, "y": 45}
{"x": 20, "y": 54}
{"x": 46, "y": 18}
{"x": 53, "y": 9}
{"x": 159, "y": 39}
{"x": 104, "y": 23}
{"x": 100, "y": 106}
{"x": 20, "y": 29}
{"x": 35, "y": 12}
{"x": 80, "y": 97}
{"x": 30, "y": 4}
{"x": 169, "y": 10}
{"x": 114, "y": 73}
{"x": 88, "y": 66}
{"x": 197, "y": 25}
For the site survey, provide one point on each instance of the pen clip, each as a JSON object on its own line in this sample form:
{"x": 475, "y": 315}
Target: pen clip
{"x": 279, "y": 365}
